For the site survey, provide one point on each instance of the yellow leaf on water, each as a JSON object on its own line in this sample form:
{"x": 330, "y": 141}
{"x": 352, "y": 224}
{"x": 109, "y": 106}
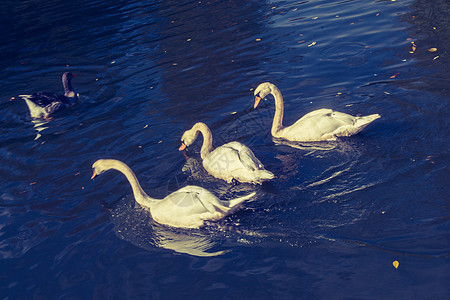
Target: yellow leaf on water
{"x": 258, "y": 40}
{"x": 432, "y": 49}
{"x": 436, "y": 57}
{"x": 395, "y": 264}
{"x": 413, "y": 47}
{"x": 312, "y": 44}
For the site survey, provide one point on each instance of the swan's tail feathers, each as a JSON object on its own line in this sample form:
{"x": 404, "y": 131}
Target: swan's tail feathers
{"x": 362, "y": 122}
{"x": 264, "y": 175}
{"x": 235, "y": 203}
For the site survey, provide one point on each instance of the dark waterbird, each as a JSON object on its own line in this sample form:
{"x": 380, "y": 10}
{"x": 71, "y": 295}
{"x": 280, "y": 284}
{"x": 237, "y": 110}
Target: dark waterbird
{"x": 43, "y": 104}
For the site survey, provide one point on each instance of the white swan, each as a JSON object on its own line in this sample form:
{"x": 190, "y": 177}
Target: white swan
{"x": 43, "y": 104}
{"x": 188, "y": 207}
{"x": 319, "y": 125}
{"x": 230, "y": 161}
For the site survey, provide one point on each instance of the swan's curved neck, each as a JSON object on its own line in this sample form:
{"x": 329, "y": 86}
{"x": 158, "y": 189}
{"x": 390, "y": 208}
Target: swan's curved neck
{"x": 141, "y": 197}
{"x": 207, "y": 146}
{"x": 277, "y": 124}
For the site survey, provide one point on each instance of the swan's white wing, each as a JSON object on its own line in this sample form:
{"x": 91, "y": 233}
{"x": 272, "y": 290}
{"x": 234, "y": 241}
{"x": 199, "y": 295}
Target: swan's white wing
{"x": 195, "y": 199}
{"x": 222, "y": 160}
{"x": 318, "y": 125}
{"x": 246, "y": 156}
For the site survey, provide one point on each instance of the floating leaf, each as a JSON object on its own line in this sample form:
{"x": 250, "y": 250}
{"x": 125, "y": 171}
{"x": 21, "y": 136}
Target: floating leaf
{"x": 395, "y": 75}
{"x": 436, "y": 57}
{"x": 413, "y": 48}
{"x": 432, "y": 49}
{"x": 312, "y": 44}
{"x": 395, "y": 264}
{"x": 258, "y": 40}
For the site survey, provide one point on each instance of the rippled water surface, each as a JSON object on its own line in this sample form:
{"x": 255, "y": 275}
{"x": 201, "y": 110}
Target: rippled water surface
{"x": 329, "y": 226}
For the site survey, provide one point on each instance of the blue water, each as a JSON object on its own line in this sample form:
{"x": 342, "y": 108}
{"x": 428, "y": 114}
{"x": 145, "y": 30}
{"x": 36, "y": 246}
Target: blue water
{"x": 329, "y": 226}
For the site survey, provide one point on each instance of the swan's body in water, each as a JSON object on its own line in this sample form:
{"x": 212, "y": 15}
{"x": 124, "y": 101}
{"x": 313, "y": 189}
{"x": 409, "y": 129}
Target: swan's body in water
{"x": 232, "y": 161}
{"x": 319, "y": 125}
{"x": 188, "y": 207}
{"x": 43, "y": 104}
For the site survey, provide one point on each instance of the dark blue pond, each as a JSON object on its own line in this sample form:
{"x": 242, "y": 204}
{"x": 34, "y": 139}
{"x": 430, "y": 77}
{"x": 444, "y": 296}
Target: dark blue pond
{"x": 329, "y": 226}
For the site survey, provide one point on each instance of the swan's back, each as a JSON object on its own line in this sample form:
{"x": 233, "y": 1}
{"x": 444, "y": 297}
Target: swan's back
{"x": 188, "y": 207}
{"x": 325, "y": 124}
{"x": 236, "y": 161}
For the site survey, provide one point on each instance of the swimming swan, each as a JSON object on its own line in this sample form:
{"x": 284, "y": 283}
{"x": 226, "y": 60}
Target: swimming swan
{"x": 43, "y": 104}
{"x": 188, "y": 207}
{"x": 230, "y": 161}
{"x": 319, "y": 125}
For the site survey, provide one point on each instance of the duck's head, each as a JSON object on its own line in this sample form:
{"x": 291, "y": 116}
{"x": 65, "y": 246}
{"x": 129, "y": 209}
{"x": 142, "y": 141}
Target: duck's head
{"x": 67, "y": 84}
{"x": 68, "y": 76}
{"x": 262, "y": 91}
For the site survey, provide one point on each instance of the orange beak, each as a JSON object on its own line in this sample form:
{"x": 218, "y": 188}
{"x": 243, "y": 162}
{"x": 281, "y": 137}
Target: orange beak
{"x": 93, "y": 175}
{"x": 257, "y": 99}
{"x": 182, "y": 147}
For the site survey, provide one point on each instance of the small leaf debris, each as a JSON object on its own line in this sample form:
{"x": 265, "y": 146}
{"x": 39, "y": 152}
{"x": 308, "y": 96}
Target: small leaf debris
{"x": 413, "y": 47}
{"x": 395, "y": 75}
{"x": 395, "y": 264}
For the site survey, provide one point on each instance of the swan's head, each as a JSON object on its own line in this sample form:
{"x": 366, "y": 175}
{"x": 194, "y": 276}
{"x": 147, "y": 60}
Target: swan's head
{"x": 262, "y": 91}
{"x": 100, "y": 166}
{"x": 188, "y": 138}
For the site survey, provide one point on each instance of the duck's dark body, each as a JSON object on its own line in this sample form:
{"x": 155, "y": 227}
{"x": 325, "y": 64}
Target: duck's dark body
{"x": 42, "y": 104}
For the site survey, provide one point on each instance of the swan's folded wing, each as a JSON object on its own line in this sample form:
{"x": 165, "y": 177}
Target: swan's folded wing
{"x": 246, "y": 156}
{"x": 318, "y": 112}
{"x": 196, "y": 199}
